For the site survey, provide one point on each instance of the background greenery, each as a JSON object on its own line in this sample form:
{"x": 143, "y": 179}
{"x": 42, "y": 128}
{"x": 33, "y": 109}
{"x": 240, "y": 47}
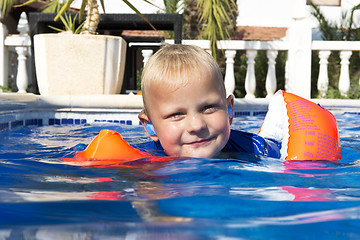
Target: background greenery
{"x": 346, "y": 30}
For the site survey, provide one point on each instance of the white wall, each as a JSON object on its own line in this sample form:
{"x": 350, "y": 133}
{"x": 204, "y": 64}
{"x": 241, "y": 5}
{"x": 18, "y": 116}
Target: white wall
{"x": 264, "y": 13}
{"x": 278, "y": 13}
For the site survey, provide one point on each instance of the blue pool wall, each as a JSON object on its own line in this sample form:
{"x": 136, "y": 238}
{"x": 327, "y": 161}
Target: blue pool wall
{"x": 44, "y": 118}
{"x": 34, "y": 110}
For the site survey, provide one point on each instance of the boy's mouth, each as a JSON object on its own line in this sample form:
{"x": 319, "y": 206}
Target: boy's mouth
{"x": 200, "y": 142}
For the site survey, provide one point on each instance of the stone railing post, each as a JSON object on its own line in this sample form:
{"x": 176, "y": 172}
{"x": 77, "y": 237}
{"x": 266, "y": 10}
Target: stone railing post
{"x": 3, "y": 55}
{"x": 146, "y": 53}
{"x": 323, "y": 80}
{"x": 229, "y": 73}
{"x": 22, "y": 80}
{"x": 344, "y": 81}
{"x": 250, "y": 80}
{"x": 270, "y": 84}
{"x": 21, "y": 42}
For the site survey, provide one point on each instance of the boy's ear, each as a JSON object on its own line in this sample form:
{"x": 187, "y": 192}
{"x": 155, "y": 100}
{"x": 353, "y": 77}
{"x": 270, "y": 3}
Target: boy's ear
{"x": 230, "y": 103}
{"x": 149, "y": 128}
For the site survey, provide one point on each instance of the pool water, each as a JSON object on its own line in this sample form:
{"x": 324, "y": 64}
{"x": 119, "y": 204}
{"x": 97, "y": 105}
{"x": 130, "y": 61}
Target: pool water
{"x": 249, "y": 197}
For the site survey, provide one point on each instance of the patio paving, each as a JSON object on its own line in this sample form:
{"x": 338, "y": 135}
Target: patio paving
{"x": 116, "y": 102}
{"x": 16, "y": 101}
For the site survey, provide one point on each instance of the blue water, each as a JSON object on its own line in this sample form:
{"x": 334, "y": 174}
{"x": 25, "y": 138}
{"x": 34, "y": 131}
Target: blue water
{"x": 250, "y": 197}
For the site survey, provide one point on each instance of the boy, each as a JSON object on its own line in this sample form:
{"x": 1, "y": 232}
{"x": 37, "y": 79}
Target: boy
{"x": 187, "y": 114}
{"x": 185, "y": 104}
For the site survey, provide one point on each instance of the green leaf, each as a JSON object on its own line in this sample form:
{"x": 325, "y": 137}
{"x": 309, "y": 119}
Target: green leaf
{"x": 64, "y": 8}
{"x": 26, "y": 3}
{"x": 52, "y": 7}
{"x": 214, "y": 17}
{"x": 69, "y": 23}
{"x": 82, "y": 10}
{"x": 102, "y": 5}
{"x": 56, "y": 29}
{"x": 139, "y": 13}
{"x": 6, "y": 6}
{"x": 78, "y": 30}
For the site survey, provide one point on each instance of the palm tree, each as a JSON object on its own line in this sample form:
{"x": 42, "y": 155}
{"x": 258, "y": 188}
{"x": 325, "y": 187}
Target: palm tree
{"x": 215, "y": 17}
{"x": 191, "y": 24}
{"x": 206, "y": 19}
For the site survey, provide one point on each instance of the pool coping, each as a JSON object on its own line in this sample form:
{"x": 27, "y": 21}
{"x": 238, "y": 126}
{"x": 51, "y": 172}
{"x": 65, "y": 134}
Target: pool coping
{"x": 16, "y": 101}
{"x": 17, "y": 110}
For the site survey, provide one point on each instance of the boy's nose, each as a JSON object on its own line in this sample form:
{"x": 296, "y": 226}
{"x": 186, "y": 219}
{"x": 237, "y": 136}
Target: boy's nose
{"x": 196, "y": 123}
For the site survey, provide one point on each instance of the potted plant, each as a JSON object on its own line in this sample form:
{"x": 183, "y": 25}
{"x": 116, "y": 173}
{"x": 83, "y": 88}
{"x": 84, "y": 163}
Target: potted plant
{"x": 68, "y": 63}
{"x": 80, "y": 63}
{"x": 85, "y": 63}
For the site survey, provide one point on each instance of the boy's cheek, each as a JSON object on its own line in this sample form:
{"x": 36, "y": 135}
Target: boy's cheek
{"x": 219, "y": 122}
{"x": 170, "y": 127}
{"x": 168, "y": 131}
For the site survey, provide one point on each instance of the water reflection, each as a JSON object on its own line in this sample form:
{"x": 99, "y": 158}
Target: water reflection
{"x": 41, "y": 197}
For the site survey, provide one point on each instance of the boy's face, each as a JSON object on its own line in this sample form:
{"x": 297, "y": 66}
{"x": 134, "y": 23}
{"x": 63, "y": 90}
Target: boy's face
{"x": 191, "y": 121}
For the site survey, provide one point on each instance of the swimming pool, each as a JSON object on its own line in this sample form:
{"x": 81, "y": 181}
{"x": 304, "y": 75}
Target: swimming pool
{"x": 245, "y": 197}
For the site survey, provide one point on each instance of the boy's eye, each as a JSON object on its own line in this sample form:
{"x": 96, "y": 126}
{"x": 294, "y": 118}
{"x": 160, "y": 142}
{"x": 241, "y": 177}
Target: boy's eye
{"x": 210, "y": 109}
{"x": 175, "y": 116}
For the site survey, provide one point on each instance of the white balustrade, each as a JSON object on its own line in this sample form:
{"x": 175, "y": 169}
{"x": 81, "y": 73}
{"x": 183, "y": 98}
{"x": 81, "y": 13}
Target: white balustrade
{"x": 229, "y": 73}
{"x": 270, "y": 84}
{"x": 296, "y": 75}
{"x": 344, "y": 81}
{"x": 250, "y": 80}
{"x": 323, "y": 80}
{"x": 345, "y": 54}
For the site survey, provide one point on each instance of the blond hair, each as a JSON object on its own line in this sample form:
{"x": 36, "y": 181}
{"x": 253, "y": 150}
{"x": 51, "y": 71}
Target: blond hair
{"x": 174, "y": 65}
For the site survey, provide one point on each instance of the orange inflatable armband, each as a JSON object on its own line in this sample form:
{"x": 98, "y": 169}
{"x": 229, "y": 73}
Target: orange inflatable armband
{"x": 108, "y": 147}
{"x": 306, "y": 130}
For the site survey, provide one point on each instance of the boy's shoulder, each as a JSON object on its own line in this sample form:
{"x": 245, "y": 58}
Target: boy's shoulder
{"x": 241, "y": 141}
{"x": 152, "y": 147}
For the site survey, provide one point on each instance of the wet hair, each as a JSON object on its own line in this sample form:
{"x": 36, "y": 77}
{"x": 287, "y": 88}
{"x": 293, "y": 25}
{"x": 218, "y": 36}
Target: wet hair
{"x": 173, "y": 66}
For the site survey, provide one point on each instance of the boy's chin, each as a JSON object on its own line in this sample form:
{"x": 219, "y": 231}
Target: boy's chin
{"x": 200, "y": 154}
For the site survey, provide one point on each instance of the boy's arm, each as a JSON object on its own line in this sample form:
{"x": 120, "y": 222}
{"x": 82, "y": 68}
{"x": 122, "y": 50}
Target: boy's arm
{"x": 107, "y": 148}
